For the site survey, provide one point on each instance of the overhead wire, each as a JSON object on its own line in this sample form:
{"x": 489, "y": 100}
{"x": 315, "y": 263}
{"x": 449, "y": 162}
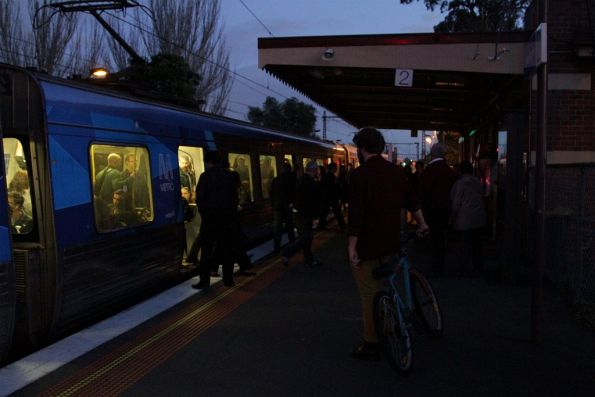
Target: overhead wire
{"x": 258, "y": 19}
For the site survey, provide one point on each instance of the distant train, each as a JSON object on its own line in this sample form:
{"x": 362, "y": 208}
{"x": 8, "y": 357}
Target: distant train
{"x": 91, "y": 214}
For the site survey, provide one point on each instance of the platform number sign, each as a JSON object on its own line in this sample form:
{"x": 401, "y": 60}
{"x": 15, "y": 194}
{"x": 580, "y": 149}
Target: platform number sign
{"x": 404, "y": 78}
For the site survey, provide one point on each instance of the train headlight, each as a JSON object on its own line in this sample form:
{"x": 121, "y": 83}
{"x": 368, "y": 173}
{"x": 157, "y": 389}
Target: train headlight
{"x": 99, "y": 73}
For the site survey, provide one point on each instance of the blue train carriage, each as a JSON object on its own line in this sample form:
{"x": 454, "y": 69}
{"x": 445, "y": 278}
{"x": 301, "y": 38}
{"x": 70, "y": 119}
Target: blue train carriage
{"x": 95, "y": 181}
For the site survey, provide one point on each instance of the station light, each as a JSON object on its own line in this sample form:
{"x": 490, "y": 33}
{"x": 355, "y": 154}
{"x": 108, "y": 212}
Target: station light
{"x": 429, "y": 140}
{"x": 99, "y": 73}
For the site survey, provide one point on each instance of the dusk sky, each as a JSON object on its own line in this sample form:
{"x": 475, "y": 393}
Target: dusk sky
{"x": 309, "y": 18}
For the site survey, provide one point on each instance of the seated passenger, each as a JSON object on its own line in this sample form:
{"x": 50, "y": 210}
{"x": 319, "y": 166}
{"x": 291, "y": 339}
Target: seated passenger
{"x": 20, "y": 221}
{"x": 117, "y": 215}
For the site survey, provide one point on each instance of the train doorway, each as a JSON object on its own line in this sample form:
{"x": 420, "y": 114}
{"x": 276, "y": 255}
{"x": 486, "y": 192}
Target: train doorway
{"x": 7, "y": 293}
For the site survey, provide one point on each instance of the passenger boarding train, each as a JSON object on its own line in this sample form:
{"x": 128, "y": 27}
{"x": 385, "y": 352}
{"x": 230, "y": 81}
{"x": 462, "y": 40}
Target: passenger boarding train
{"x": 91, "y": 214}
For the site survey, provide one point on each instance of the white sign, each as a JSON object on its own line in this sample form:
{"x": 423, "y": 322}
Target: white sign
{"x": 536, "y": 49}
{"x": 404, "y": 78}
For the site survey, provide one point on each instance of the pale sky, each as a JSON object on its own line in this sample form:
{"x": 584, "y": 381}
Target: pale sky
{"x": 286, "y": 18}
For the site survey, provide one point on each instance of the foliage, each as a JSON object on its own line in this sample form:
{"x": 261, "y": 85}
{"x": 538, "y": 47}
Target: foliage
{"x": 290, "y": 115}
{"x": 168, "y": 76}
{"x": 477, "y": 15}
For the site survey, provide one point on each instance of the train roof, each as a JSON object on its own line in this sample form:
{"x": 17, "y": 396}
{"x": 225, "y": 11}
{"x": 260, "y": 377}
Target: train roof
{"x": 78, "y": 103}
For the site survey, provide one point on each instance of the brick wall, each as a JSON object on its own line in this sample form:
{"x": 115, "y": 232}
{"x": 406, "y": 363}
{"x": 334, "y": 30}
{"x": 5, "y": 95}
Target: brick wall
{"x": 571, "y": 121}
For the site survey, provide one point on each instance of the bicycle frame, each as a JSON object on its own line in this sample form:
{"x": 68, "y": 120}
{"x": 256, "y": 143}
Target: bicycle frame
{"x": 404, "y": 304}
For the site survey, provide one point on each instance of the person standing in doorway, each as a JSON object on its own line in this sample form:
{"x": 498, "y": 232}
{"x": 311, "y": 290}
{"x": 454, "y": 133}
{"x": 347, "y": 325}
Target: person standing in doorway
{"x": 282, "y": 190}
{"x": 217, "y": 203}
{"x": 378, "y": 190}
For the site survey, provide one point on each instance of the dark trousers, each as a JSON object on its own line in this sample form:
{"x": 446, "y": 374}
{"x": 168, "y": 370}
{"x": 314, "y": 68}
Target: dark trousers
{"x": 336, "y": 208}
{"x": 282, "y": 218}
{"x": 437, "y": 221}
{"x": 470, "y": 256}
{"x": 218, "y": 233}
{"x": 304, "y": 240}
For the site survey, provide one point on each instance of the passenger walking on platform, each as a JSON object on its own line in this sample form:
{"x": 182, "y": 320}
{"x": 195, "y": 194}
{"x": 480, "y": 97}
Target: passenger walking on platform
{"x": 435, "y": 185}
{"x": 330, "y": 197}
{"x": 307, "y": 205}
{"x": 378, "y": 190}
{"x": 468, "y": 218}
{"x": 282, "y": 190}
{"x": 343, "y": 187}
{"x": 217, "y": 203}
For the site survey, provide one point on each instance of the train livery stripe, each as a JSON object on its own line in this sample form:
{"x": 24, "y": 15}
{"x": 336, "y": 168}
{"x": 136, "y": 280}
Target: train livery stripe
{"x": 121, "y": 368}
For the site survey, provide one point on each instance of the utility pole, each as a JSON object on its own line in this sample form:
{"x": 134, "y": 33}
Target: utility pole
{"x": 541, "y": 167}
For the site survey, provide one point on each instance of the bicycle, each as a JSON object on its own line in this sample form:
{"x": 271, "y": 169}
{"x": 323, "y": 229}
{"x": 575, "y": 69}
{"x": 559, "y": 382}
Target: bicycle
{"x": 395, "y": 315}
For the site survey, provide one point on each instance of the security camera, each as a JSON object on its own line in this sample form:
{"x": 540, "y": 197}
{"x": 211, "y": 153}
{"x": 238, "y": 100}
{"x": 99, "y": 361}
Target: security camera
{"x": 328, "y": 54}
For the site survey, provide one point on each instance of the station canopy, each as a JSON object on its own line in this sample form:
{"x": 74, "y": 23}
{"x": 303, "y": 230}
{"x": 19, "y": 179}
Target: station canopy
{"x": 424, "y": 81}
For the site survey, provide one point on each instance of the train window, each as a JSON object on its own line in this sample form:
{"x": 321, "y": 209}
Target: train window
{"x": 268, "y": 170}
{"x": 241, "y": 164}
{"x": 305, "y": 161}
{"x": 191, "y": 162}
{"x": 288, "y": 159}
{"x": 121, "y": 178}
{"x": 17, "y": 183}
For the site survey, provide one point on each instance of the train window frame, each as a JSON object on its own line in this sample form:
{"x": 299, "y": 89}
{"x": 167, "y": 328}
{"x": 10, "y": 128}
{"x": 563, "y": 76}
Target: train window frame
{"x": 265, "y": 183}
{"x": 127, "y": 150}
{"x": 198, "y": 165}
{"x": 31, "y": 234}
{"x": 233, "y": 166}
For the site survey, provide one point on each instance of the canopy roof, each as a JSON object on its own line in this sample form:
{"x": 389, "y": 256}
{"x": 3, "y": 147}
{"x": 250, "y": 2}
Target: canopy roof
{"x": 456, "y": 77}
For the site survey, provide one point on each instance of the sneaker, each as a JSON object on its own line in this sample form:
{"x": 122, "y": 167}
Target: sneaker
{"x": 367, "y": 351}
{"x": 201, "y": 285}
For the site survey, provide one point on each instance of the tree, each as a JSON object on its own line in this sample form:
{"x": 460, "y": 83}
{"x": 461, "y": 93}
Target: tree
{"x": 477, "y": 15}
{"x": 290, "y": 115}
{"x": 192, "y": 30}
{"x": 42, "y": 42}
{"x": 167, "y": 77}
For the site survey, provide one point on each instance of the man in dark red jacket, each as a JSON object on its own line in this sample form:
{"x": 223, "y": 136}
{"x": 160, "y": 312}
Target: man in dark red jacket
{"x": 378, "y": 190}
{"x": 435, "y": 184}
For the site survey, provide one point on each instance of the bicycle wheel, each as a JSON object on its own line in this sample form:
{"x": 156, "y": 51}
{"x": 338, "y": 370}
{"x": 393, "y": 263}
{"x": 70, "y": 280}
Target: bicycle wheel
{"x": 426, "y": 305}
{"x": 393, "y": 334}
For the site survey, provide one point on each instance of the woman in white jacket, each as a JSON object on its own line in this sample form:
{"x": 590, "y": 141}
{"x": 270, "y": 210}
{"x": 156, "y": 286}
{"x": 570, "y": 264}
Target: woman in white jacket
{"x": 468, "y": 215}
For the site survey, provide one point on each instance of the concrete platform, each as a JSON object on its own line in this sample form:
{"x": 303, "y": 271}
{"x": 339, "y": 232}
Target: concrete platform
{"x": 288, "y": 332}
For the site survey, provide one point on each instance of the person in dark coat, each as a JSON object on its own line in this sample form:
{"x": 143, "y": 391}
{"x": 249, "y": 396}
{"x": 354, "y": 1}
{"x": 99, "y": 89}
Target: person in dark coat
{"x": 435, "y": 184}
{"x": 378, "y": 190}
{"x": 307, "y": 204}
{"x": 109, "y": 179}
{"x": 217, "y": 203}
{"x": 330, "y": 197}
{"x": 281, "y": 192}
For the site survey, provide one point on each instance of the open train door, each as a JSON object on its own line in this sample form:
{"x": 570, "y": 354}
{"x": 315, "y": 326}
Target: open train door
{"x": 7, "y": 274}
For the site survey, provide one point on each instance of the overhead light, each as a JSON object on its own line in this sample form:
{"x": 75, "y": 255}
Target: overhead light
{"x": 99, "y": 73}
{"x": 328, "y": 54}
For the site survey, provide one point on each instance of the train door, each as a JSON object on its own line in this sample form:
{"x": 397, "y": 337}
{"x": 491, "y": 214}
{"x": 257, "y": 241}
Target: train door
{"x": 191, "y": 163}
{"x": 7, "y": 281}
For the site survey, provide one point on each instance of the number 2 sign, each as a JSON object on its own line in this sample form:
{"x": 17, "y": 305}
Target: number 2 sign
{"x": 404, "y": 78}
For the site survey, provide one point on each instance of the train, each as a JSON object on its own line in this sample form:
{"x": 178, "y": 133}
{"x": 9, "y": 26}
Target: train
{"x": 75, "y": 155}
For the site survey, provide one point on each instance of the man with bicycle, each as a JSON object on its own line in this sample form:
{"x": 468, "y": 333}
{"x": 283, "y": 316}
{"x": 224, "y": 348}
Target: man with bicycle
{"x": 378, "y": 190}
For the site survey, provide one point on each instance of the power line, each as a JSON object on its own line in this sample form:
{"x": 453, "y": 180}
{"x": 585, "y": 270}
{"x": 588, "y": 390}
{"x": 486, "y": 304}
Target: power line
{"x": 258, "y": 19}
{"x": 197, "y": 56}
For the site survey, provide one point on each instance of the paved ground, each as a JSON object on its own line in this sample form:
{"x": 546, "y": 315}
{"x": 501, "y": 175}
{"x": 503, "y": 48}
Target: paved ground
{"x": 293, "y": 339}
